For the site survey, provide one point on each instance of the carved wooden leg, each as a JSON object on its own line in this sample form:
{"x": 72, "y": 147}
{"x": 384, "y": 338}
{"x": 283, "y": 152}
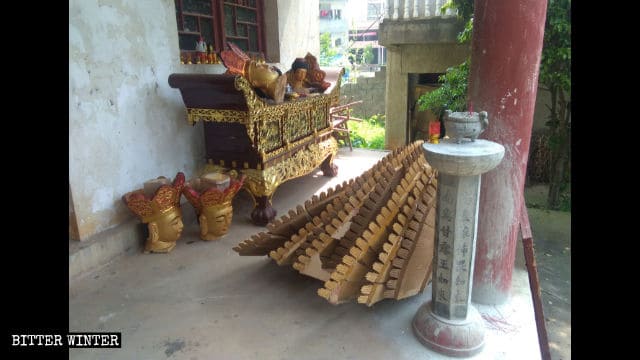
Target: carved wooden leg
{"x": 263, "y": 212}
{"x": 328, "y": 167}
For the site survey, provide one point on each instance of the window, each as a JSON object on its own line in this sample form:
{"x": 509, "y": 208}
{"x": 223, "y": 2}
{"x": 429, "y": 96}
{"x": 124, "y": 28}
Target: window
{"x": 325, "y": 11}
{"x": 373, "y": 11}
{"x": 221, "y": 21}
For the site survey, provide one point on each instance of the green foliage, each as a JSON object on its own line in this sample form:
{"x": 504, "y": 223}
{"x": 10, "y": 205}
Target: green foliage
{"x": 378, "y": 119}
{"x": 367, "y": 54}
{"x": 464, "y": 7}
{"x": 465, "y": 12}
{"x": 368, "y": 134}
{"x": 555, "y": 76}
{"x": 565, "y": 201}
{"x": 327, "y": 52}
{"x": 357, "y": 54}
{"x": 555, "y": 64}
{"x": 451, "y": 95}
{"x": 465, "y": 35}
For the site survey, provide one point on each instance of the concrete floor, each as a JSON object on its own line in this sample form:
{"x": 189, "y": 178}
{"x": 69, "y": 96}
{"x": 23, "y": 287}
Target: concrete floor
{"x": 552, "y": 240}
{"x": 204, "y": 301}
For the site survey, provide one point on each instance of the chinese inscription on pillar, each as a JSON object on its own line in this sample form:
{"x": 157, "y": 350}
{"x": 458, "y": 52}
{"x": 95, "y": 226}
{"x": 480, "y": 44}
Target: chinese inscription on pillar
{"x": 457, "y": 203}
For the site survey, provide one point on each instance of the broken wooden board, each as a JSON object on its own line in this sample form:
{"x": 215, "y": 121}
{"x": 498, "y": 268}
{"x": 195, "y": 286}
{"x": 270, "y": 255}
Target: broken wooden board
{"x": 368, "y": 239}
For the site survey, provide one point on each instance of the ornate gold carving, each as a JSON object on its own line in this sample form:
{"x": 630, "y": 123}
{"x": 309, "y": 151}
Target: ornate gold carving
{"x": 265, "y": 182}
{"x": 270, "y": 136}
{"x": 253, "y": 100}
{"x": 194, "y": 115}
{"x": 284, "y": 149}
{"x": 271, "y": 127}
{"x": 165, "y": 198}
{"x": 213, "y": 205}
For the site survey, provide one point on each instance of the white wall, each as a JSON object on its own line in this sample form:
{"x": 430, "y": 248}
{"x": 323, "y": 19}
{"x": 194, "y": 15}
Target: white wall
{"x": 126, "y": 125}
{"x": 298, "y": 30}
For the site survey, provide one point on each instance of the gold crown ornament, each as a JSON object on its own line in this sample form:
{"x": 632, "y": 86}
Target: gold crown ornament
{"x": 160, "y": 209}
{"x": 271, "y": 82}
{"x": 211, "y": 198}
{"x": 235, "y": 59}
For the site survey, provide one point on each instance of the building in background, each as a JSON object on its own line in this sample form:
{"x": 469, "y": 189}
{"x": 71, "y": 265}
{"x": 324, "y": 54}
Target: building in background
{"x": 364, "y": 19}
{"x": 353, "y": 25}
{"x": 333, "y": 20}
{"x": 422, "y": 44}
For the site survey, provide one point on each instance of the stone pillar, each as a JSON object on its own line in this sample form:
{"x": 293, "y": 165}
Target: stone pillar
{"x": 503, "y": 80}
{"x": 448, "y": 323}
{"x": 396, "y": 100}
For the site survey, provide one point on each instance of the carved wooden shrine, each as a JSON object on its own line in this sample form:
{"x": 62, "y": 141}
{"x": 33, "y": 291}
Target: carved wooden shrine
{"x": 269, "y": 143}
{"x": 368, "y": 239}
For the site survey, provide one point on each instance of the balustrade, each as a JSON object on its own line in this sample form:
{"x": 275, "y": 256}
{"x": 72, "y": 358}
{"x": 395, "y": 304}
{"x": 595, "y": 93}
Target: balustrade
{"x": 416, "y": 9}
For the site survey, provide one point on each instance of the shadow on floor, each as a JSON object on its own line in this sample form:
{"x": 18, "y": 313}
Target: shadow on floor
{"x": 552, "y": 243}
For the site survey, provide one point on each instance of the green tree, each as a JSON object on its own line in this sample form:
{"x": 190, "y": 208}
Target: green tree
{"x": 452, "y": 94}
{"x": 367, "y": 54}
{"x": 327, "y": 52}
{"x": 555, "y": 76}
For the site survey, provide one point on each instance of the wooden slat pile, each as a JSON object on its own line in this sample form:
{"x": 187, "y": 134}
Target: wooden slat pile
{"x": 368, "y": 239}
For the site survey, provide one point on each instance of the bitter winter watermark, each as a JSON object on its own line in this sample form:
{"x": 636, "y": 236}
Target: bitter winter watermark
{"x": 72, "y": 340}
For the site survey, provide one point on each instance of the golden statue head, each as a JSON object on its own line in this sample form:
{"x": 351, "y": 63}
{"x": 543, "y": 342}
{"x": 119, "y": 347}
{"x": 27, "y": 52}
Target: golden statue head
{"x": 164, "y": 231}
{"x": 264, "y": 77}
{"x": 161, "y": 212}
{"x": 299, "y": 68}
{"x": 215, "y": 220}
{"x": 212, "y": 205}
{"x": 268, "y": 79}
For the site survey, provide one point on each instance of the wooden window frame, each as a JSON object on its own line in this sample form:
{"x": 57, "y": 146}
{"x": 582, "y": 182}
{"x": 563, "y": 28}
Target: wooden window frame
{"x": 217, "y": 17}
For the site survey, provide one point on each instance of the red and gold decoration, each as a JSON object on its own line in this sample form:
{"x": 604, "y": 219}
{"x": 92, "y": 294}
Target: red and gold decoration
{"x": 260, "y": 75}
{"x": 434, "y": 132}
{"x": 211, "y": 196}
{"x": 269, "y": 143}
{"x": 315, "y": 76}
{"x": 161, "y": 211}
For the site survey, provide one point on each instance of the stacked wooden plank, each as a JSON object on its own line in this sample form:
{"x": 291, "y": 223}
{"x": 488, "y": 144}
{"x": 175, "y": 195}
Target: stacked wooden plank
{"x": 368, "y": 239}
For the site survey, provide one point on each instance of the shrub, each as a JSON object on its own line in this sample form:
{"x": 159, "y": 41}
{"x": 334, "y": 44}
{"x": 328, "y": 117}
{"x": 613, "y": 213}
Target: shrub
{"x": 369, "y": 133}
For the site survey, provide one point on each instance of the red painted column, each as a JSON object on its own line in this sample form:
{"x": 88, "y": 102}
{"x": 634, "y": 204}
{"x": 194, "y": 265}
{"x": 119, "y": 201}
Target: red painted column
{"x": 503, "y": 81}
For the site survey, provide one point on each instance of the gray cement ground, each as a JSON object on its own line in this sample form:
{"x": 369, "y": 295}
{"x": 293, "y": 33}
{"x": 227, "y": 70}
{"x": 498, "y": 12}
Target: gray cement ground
{"x": 552, "y": 241}
{"x": 203, "y": 301}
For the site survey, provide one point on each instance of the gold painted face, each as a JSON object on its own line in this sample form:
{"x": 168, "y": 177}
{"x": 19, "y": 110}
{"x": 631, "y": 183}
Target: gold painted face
{"x": 300, "y": 74}
{"x": 266, "y": 78}
{"x": 170, "y": 226}
{"x": 215, "y": 221}
{"x": 261, "y": 75}
{"x": 164, "y": 231}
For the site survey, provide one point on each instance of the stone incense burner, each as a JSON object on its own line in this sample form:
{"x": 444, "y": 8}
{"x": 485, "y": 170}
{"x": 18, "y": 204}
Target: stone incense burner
{"x": 465, "y": 125}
